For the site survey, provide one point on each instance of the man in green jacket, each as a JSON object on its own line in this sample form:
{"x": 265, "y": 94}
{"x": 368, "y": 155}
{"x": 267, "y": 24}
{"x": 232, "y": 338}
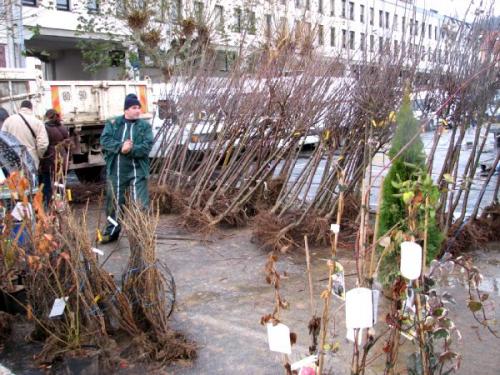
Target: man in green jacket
{"x": 126, "y": 142}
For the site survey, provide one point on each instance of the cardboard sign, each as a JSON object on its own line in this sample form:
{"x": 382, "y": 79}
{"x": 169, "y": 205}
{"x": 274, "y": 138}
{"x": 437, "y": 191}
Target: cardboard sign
{"x": 279, "y": 338}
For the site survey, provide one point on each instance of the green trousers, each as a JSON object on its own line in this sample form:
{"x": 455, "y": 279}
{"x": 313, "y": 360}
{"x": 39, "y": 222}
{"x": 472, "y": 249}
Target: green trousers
{"x": 118, "y": 184}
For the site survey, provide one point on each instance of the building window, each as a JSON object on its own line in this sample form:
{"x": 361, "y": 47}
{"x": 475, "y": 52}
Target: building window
{"x": 387, "y": 20}
{"x": 251, "y": 22}
{"x": 31, "y": 3}
{"x": 219, "y": 17}
{"x": 298, "y": 3}
{"x": 3, "y": 60}
{"x": 362, "y": 42}
{"x": 62, "y": 5}
{"x": 372, "y": 16}
{"x": 411, "y": 26}
{"x": 396, "y": 47}
{"x": 298, "y": 29}
{"x": 380, "y": 19}
{"x": 268, "y": 25}
{"x": 283, "y": 24}
{"x": 320, "y": 35}
{"x": 176, "y": 11}
{"x": 423, "y": 29}
{"x": 320, "y": 6}
{"x": 198, "y": 10}
{"x": 344, "y": 5}
{"x": 435, "y": 33}
{"x": 237, "y": 20}
{"x": 372, "y": 43}
{"x": 395, "y": 22}
{"x": 429, "y": 31}
{"x": 332, "y": 36}
{"x": 93, "y": 6}
{"x": 403, "y": 24}
{"x": 344, "y": 38}
{"x": 332, "y": 7}
{"x": 362, "y": 13}
{"x": 380, "y": 44}
{"x": 351, "y": 10}
{"x": 308, "y": 4}
{"x": 352, "y": 37}
{"x": 416, "y": 27}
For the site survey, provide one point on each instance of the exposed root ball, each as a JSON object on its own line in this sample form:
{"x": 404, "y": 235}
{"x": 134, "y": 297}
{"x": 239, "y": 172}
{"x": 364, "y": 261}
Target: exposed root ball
{"x": 269, "y": 193}
{"x": 235, "y": 218}
{"x": 5, "y": 325}
{"x": 83, "y": 192}
{"x": 167, "y": 201}
{"x": 196, "y": 221}
{"x": 268, "y": 232}
{"x": 475, "y": 233}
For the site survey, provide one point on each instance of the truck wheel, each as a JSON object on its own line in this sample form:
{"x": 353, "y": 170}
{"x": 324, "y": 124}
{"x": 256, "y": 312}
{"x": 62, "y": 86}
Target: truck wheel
{"x": 91, "y": 174}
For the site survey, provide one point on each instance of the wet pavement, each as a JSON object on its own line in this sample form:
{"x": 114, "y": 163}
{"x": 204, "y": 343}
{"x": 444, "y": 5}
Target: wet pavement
{"x": 222, "y": 294}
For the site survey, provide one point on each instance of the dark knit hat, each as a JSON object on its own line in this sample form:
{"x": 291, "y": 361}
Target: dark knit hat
{"x": 130, "y": 100}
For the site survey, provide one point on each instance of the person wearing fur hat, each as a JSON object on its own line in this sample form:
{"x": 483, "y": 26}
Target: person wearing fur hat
{"x": 126, "y": 141}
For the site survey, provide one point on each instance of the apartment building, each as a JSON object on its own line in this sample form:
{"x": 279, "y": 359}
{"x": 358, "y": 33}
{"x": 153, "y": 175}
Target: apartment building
{"x": 351, "y": 29}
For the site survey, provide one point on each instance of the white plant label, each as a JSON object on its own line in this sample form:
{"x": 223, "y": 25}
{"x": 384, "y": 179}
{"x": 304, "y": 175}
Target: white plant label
{"x": 385, "y": 241}
{"x": 58, "y": 307}
{"x": 338, "y": 281}
{"x": 350, "y": 335}
{"x": 375, "y": 298}
{"x": 279, "y": 338}
{"x": 311, "y": 360}
{"x": 97, "y": 251}
{"x": 21, "y": 210}
{"x": 335, "y": 228}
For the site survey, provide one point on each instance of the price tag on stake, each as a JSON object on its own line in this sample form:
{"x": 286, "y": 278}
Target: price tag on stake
{"x": 58, "y": 307}
{"x": 97, "y": 251}
{"x": 69, "y": 195}
{"x": 335, "y": 228}
{"x": 279, "y": 338}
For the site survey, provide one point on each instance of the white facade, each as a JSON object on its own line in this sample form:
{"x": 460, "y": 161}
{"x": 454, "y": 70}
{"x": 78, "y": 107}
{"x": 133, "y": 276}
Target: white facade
{"x": 340, "y": 27}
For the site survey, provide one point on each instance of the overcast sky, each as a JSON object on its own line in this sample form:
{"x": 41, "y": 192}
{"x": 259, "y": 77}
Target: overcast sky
{"x": 457, "y": 8}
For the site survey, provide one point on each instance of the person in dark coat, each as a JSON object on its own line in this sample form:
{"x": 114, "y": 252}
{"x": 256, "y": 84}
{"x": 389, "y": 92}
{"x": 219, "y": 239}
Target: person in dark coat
{"x": 58, "y": 145}
{"x": 3, "y": 116}
{"x": 127, "y": 141}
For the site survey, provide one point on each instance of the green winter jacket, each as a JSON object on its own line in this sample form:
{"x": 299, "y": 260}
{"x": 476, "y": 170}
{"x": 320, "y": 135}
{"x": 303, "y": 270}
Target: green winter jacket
{"x": 112, "y": 139}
